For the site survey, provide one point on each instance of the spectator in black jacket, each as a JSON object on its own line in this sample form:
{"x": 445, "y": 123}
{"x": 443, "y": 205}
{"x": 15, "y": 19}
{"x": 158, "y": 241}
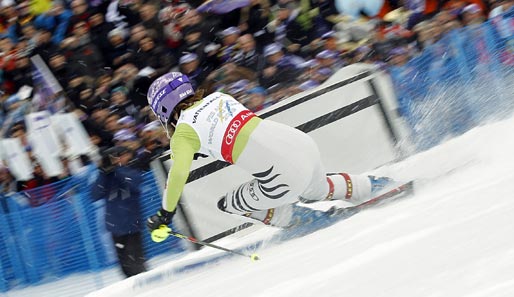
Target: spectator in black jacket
{"x": 149, "y": 18}
{"x": 190, "y": 65}
{"x": 288, "y": 30}
{"x": 254, "y": 19}
{"x": 123, "y": 13}
{"x": 248, "y": 56}
{"x": 155, "y": 56}
{"x": 22, "y": 75}
{"x": 137, "y": 32}
{"x": 81, "y": 51}
{"x": 119, "y": 184}
{"x": 208, "y": 26}
{"x": 280, "y": 68}
{"x": 229, "y": 39}
{"x": 61, "y": 69}
{"x": 121, "y": 104}
{"x": 118, "y": 51}
{"x": 194, "y": 42}
{"x": 80, "y": 13}
{"x": 99, "y": 30}
{"x": 44, "y": 46}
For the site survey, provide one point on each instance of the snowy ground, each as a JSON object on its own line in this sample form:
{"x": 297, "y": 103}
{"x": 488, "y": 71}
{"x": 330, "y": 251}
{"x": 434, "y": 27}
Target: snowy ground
{"x": 453, "y": 238}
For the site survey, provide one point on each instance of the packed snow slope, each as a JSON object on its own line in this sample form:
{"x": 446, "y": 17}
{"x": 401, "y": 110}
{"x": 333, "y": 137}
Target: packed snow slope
{"x": 454, "y": 237}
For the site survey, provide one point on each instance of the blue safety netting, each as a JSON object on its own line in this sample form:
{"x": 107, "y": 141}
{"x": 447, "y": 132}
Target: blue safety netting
{"x": 64, "y": 232}
{"x": 463, "y": 80}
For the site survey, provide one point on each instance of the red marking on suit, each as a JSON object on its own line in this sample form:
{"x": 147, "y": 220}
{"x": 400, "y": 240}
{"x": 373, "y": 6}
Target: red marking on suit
{"x": 234, "y": 127}
{"x": 349, "y": 186}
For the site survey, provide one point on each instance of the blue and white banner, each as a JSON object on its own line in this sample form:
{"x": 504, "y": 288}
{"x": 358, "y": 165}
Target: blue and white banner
{"x": 47, "y": 90}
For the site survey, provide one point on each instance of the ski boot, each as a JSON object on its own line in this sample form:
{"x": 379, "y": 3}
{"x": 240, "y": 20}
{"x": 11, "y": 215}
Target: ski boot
{"x": 378, "y": 184}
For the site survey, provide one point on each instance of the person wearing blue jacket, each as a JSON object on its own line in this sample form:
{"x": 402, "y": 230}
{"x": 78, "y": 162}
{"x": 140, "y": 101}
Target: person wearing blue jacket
{"x": 55, "y": 20}
{"x": 119, "y": 184}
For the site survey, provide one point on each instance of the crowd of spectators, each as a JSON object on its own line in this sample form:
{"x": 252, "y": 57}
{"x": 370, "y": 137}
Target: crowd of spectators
{"x": 105, "y": 54}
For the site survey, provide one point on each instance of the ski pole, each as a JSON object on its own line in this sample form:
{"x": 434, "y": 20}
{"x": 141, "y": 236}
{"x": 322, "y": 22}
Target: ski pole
{"x": 164, "y": 231}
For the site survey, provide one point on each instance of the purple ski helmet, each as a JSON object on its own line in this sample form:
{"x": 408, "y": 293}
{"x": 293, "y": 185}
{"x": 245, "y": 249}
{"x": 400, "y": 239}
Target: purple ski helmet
{"x": 166, "y": 92}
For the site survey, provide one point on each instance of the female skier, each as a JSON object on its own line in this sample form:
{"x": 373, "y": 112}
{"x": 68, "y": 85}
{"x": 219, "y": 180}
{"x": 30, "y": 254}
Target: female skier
{"x": 284, "y": 161}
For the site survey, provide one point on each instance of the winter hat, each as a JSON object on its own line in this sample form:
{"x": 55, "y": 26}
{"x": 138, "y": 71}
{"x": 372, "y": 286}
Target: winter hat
{"x": 117, "y": 32}
{"x": 329, "y": 34}
{"x": 211, "y": 47}
{"x": 325, "y": 71}
{"x": 187, "y": 58}
{"x": 312, "y": 63}
{"x": 326, "y": 54}
{"x": 398, "y": 51}
{"x": 124, "y": 135}
{"x": 127, "y": 120}
{"x": 238, "y": 86}
{"x": 152, "y": 126}
{"x": 308, "y": 85}
{"x": 230, "y": 31}
{"x": 271, "y": 49}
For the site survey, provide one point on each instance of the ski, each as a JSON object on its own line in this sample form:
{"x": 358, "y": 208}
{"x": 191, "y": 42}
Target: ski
{"x": 309, "y": 220}
{"x": 393, "y": 194}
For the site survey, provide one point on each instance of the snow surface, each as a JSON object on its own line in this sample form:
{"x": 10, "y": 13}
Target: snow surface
{"x": 453, "y": 238}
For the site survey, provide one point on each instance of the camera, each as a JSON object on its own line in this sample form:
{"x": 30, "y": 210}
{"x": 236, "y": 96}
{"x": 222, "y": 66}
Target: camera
{"x": 106, "y": 164}
{"x": 108, "y": 156}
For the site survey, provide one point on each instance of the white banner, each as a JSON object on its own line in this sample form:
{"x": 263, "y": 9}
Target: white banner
{"x": 45, "y": 143}
{"x": 16, "y": 159}
{"x": 51, "y": 137}
{"x": 70, "y": 130}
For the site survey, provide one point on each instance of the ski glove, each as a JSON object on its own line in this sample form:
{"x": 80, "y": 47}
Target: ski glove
{"x": 158, "y": 224}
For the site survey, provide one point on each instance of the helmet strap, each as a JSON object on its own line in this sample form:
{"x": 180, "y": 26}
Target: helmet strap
{"x": 172, "y": 121}
{"x": 165, "y": 127}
